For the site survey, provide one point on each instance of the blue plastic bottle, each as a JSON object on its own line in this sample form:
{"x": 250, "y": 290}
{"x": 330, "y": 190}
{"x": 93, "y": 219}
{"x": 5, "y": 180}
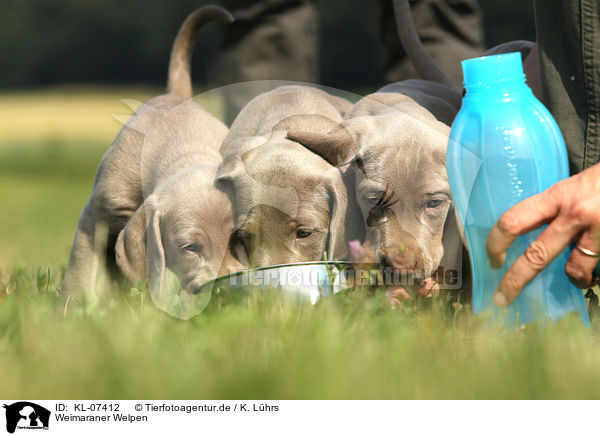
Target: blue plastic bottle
{"x": 504, "y": 147}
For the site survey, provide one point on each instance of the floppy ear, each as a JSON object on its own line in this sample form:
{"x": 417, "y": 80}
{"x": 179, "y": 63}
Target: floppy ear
{"x": 228, "y": 169}
{"x": 316, "y": 121}
{"x": 130, "y": 249}
{"x": 338, "y": 204}
{"x": 155, "y": 255}
{"x": 139, "y": 250}
{"x": 337, "y": 146}
{"x": 226, "y": 173}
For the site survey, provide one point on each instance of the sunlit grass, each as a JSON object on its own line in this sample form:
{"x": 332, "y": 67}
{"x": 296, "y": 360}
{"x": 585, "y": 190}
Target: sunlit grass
{"x": 74, "y": 114}
{"x": 268, "y": 347}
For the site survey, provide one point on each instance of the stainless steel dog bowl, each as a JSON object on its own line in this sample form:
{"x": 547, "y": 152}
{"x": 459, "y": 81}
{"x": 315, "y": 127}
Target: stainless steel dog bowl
{"x": 306, "y": 281}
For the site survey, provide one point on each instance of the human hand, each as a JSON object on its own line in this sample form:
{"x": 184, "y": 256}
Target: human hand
{"x": 571, "y": 208}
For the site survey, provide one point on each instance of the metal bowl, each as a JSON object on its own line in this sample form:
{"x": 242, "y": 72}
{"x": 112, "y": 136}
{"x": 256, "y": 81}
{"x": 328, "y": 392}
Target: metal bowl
{"x": 305, "y": 281}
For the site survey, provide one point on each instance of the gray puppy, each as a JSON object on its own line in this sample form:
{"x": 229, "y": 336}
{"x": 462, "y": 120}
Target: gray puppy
{"x": 397, "y": 139}
{"x": 290, "y": 205}
{"x": 398, "y": 148}
{"x": 156, "y": 183}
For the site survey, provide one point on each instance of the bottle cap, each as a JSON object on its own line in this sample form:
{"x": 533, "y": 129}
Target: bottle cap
{"x": 488, "y": 70}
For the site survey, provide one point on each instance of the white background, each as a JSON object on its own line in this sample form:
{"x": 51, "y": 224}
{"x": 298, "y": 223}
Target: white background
{"x": 337, "y": 417}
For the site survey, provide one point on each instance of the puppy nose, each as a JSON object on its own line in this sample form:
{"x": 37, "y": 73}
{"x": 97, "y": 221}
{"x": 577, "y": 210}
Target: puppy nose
{"x": 405, "y": 262}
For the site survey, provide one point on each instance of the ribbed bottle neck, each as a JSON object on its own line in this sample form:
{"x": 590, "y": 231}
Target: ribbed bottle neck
{"x": 494, "y": 75}
{"x": 498, "y": 89}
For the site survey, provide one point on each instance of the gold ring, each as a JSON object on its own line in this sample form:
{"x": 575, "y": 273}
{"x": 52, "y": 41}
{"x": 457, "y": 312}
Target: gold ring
{"x": 587, "y": 252}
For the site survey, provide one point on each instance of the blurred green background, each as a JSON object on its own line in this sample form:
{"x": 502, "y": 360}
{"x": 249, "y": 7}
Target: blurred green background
{"x": 116, "y": 42}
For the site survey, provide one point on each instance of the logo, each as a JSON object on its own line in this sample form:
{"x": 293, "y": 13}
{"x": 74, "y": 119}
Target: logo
{"x": 26, "y": 415}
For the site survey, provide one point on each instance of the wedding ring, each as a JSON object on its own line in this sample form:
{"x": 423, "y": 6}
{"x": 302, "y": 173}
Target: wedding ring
{"x": 587, "y": 252}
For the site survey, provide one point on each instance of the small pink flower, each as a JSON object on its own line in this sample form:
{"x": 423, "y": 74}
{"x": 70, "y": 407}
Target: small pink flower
{"x": 357, "y": 252}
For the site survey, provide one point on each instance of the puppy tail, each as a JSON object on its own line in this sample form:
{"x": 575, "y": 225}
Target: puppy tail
{"x": 179, "y": 80}
{"x": 409, "y": 38}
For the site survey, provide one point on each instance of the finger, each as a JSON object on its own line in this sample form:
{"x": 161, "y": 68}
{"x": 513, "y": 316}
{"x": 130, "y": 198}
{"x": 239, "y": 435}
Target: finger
{"x": 580, "y": 266}
{"x": 551, "y": 242}
{"x": 523, "y": 217}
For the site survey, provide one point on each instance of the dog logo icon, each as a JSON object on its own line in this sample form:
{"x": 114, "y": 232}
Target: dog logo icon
{"x": 26, "y": 415}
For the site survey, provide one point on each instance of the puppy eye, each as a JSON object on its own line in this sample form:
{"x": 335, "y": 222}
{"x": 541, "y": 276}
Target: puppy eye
{"x": 382, "y": 199}
{"x": 193, "y": 248}
{"x": 303, "y": 233}
{"x": 434, "y": 202}
{"x": 374, "y": 200}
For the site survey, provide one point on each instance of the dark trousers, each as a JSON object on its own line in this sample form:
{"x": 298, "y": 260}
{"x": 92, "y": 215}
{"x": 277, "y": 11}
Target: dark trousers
{"x": 278, "y": 39}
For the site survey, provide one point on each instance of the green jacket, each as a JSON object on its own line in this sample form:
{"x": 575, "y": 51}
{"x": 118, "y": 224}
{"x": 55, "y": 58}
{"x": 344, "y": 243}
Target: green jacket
{"x": 568, "y": 36}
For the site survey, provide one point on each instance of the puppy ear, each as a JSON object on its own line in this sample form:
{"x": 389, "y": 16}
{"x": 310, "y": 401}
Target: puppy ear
{"x": 338, "y": 205}
{"x": 130, "y": 249}
{"x": 337, "y": 147}
{"x": 228, "y": 169}
{"x": 155, "y": 255}
{"x": 139, "y": 250}
{"x": 316, "y": 121}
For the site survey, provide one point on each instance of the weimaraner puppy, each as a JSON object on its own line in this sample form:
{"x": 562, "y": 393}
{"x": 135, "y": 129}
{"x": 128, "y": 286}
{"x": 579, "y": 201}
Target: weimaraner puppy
{"x": 396, "y": 139}
{"x": 290, "y": 205}
{"x": 398, "y": 149}
{"x": 154, "y": 204}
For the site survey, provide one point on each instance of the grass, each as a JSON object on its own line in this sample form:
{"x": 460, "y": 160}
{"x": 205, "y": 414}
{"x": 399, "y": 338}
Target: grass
{"x": 268, "y": 347}
{"x": 73, "y": 114}
{"x": 349, "y": 346}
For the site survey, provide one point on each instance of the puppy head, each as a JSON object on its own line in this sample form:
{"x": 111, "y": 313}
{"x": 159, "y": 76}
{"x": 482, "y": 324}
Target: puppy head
{"x": 289, "y": 204}
{"x": 184, "y": 228}
{"x": 401, "y": 183}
